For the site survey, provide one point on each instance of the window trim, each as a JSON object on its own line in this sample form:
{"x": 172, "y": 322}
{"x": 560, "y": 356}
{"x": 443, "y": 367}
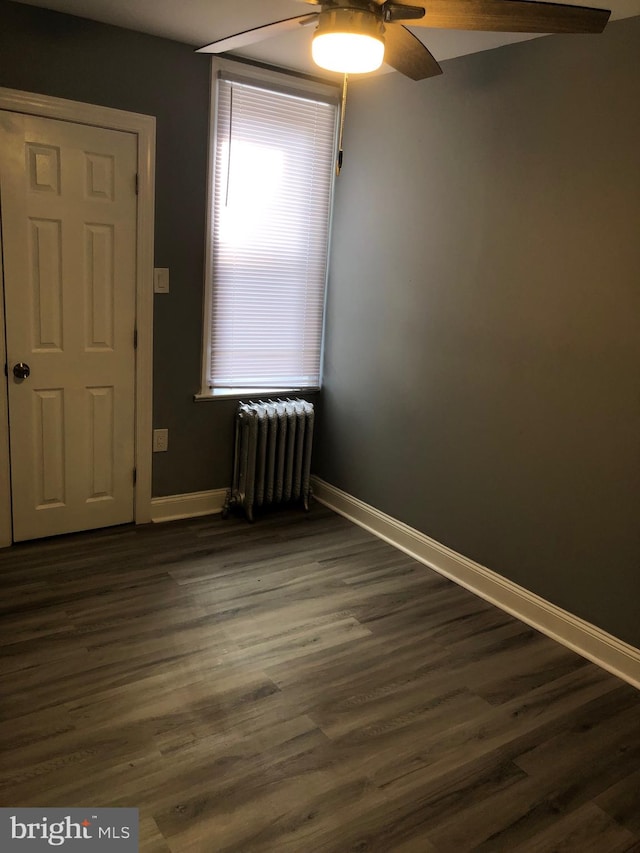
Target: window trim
{"x": 282, "y": 80}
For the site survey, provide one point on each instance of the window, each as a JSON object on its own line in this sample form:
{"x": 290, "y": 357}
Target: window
{"x": 273, "y": 162}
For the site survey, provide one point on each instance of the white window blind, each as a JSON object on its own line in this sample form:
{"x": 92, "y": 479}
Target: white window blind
{"x": 273, "y": 180}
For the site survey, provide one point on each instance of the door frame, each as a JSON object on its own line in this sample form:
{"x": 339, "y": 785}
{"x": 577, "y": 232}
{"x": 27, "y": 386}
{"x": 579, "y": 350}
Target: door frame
{"x": 144, "y": 127}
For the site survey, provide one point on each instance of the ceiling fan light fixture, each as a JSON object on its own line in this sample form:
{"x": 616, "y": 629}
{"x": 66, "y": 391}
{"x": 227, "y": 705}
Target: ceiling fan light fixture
{"x": 349, "y": 41}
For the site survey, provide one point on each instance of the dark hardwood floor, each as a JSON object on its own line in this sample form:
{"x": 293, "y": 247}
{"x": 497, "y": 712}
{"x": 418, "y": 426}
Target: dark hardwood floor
{"x": 297, "y": 685}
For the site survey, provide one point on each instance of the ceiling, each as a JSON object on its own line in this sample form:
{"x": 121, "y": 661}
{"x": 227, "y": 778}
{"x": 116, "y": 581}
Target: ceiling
{"x": 198, "y": 22}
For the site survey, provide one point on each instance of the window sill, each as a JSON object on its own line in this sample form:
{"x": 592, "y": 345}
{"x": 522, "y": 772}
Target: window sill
{"x": 248, "y": 393}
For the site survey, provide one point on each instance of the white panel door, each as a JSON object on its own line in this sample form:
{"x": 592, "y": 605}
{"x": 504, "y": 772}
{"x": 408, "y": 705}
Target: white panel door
{"x": 68, "y": 207}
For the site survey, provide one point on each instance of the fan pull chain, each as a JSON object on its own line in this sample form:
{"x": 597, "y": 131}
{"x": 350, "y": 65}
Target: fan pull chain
{"x": 341, "y": 133}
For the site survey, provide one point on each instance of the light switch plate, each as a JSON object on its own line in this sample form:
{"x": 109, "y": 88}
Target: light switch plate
{"x": 161, "y": 280}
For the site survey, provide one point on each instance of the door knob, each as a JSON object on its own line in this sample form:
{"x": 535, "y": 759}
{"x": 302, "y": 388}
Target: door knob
{"x": 21, "y": 370}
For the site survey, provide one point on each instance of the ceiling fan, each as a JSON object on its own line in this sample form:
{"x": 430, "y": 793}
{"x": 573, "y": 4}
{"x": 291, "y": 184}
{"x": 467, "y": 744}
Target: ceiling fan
{"x": 356, "y": 36}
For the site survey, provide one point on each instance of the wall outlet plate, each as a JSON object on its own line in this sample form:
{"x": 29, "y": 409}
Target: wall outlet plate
{"x": 160, "y": 440}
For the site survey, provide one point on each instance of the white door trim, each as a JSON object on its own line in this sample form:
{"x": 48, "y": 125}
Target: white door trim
{"x": 145, "y": 128}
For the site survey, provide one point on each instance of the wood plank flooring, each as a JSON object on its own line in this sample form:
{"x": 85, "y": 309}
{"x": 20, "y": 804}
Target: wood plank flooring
{"x": 298, "y": 686}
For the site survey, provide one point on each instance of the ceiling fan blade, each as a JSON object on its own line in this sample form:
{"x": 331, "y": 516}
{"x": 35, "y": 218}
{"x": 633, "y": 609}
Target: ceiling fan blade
{"x": 513, "y": 16}
{"x": 406, "y": 53}
{"x": 258, "y": 34}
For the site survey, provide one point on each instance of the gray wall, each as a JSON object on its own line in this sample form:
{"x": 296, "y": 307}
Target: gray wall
{"x": 54, "y": 54}
{"x": 483, "y": 347}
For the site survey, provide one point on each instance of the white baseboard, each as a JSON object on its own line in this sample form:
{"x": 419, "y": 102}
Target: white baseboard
{"x": 586, "y": 639}
{"x": 191, "y": 505}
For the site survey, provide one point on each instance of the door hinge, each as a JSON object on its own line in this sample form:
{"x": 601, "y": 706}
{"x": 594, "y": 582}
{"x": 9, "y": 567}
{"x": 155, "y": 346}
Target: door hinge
{"x": 137, "y": 183}
{"x": 135, "y": 475}
{"x": 135, "y": 339}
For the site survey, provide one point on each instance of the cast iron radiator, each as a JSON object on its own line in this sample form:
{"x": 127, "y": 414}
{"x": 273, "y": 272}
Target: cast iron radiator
{"x": 272, "y": 458}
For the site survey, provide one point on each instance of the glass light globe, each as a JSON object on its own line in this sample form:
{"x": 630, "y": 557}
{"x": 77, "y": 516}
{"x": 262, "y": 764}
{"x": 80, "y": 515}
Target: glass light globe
{"x": 348, "y": 53}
